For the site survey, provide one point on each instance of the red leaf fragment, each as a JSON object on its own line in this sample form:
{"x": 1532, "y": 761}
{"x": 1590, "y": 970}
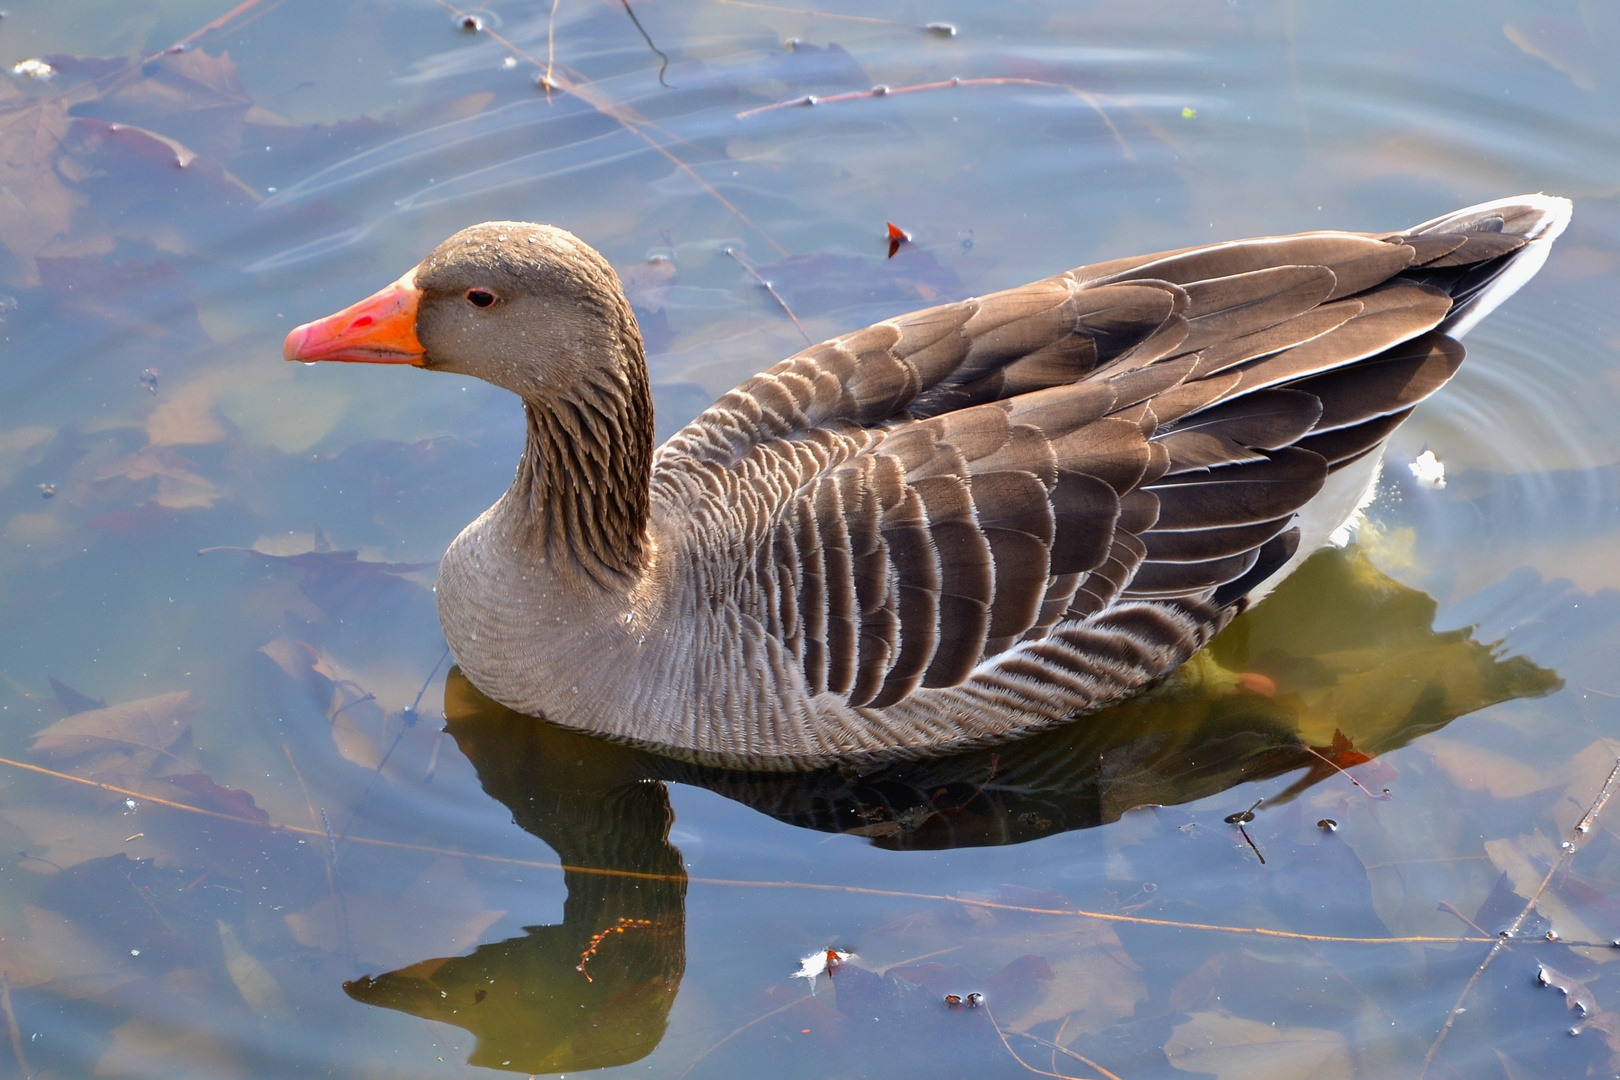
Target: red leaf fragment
{"x": 1342, "y": 752}
{"x": 211, "y": 796}
{"x": 897, "y": 236}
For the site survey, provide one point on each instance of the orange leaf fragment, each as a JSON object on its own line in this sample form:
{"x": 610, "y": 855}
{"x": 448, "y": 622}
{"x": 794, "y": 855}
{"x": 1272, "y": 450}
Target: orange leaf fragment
{"x": 1342, "y": 752}
{"x": 897, "y": 236}
{"x": 1257, "y": 683}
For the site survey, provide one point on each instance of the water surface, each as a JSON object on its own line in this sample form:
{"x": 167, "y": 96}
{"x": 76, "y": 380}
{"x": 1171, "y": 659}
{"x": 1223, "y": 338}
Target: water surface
{"x": 266, "y": 832}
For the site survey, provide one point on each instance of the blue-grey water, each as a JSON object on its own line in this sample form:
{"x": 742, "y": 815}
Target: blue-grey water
{"x": 261, "y": 835}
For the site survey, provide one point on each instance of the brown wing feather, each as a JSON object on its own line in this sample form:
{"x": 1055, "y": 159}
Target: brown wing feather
{"x": 1040, "y": 474}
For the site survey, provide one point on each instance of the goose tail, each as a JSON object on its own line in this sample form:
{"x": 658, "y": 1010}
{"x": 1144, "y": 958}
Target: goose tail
{"x": 1482, "y": 254}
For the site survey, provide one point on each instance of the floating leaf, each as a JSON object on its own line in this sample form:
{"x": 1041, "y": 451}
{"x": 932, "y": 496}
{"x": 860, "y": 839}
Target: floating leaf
{"x": 1577, "y": 995}
{"x": 897, "y": 236}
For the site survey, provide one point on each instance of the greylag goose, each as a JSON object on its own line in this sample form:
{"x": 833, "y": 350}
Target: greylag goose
{"x": 940, "y": 531}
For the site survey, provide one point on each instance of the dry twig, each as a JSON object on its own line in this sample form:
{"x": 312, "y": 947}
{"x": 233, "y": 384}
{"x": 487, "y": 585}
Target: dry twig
{"x": 624, "y": 115}
{"x": 948, "y": 84}
{"x": 815, "y": 14}
{"x": 340, "y": 916}
{"x": 809, "y": 886}
{"x": 744, "y": 263}
{"x": 1056, "y": 1049}
{"x": 12, "y": 1029}
{"x": 1582, "y": 827}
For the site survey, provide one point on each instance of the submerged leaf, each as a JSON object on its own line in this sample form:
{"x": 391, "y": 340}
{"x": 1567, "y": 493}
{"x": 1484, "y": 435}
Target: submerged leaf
{"x": 39, "y": 205}
{"x": 178, "y": 486}
{"x": 1035, "y": 969}
{"x": 152, "y": 1047}
{"x": 1232, "y": 1048}
{"x": 129, "y": 736}
{"x": 253, "y": 980}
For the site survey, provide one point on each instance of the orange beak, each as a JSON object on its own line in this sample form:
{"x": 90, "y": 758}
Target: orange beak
{"x": 381, "y": 329}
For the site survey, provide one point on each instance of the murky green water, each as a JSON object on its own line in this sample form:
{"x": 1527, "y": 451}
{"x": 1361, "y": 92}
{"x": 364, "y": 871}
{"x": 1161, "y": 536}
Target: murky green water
{"x": 263, "y": 836}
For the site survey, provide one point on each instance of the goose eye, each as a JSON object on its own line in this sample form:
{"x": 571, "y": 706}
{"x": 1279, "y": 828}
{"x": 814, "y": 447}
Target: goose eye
{"x": 480, "y": 297}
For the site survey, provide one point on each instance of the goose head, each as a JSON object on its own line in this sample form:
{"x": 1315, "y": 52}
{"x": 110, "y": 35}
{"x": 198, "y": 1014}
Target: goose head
{"x": 531, "y": 308}
{"x": 536, "y": 310}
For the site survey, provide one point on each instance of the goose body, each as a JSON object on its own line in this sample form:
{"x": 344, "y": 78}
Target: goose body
{"x": 942, "y": 530}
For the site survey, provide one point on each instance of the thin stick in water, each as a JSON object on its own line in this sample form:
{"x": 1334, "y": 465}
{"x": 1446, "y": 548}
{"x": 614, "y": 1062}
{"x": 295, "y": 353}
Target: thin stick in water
{"x": 1582, "y": 827}
{"x": 648, "y": 38}
{"x": 742, "y": 262}
{"x": 12, "y": 1029}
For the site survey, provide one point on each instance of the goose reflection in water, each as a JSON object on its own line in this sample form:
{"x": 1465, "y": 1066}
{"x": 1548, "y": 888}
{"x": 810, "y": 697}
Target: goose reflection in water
{"x": 1339, "y": 650}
